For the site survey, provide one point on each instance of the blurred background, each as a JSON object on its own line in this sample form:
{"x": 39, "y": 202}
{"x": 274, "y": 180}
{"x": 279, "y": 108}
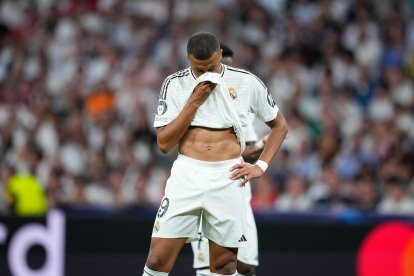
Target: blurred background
{"x": 80, "y": 79}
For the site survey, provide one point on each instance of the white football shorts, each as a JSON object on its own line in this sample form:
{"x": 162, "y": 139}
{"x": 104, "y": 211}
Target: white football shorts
{"x": 200, "y": 188}
{"x": 249, "y": 254}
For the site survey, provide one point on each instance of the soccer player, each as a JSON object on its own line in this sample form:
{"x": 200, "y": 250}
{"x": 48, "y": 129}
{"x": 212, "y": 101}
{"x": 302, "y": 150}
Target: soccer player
{"x": 248, "y": 256}
{"x": 203, "y": 109}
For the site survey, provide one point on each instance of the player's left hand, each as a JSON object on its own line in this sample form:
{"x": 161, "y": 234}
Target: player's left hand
{"x": 245, "y": 172}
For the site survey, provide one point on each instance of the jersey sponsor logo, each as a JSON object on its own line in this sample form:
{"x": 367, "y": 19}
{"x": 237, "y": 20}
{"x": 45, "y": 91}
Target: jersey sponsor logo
{"x": 162, "y": 108}
{"x": 242, "y": 239}
{"x": 270, "y": 99}
{"x": 163, "y": 207}
{"x": 233, "y": 93}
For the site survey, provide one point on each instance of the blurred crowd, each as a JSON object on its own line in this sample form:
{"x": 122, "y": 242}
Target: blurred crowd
{"x": 80, "y": 80}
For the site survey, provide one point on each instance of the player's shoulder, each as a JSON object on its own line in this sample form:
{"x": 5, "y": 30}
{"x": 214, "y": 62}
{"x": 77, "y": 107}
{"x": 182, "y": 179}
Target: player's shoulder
{"x": 179, "y": 74}
{"x": 238, "y": 72}
{"x": 178, "y": 79}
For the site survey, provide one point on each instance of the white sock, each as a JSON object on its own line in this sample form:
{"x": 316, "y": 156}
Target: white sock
{"x": 215, "y": 274}
{"x": 150, "y": 272}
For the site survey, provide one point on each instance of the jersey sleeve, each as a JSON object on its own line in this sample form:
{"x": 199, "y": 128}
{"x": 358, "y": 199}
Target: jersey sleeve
{"x": 167, "y": 109}
{"x": 263, "y": 104}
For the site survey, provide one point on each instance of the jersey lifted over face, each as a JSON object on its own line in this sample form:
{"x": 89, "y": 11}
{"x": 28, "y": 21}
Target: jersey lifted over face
{"x": 248, "y": 95}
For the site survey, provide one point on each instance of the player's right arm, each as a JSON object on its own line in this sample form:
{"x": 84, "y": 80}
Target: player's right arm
{"x": 168, "y": 136}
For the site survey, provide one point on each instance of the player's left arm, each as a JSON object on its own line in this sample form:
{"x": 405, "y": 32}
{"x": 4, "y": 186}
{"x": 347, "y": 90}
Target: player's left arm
{"x": 278, "y": 132}
{"x": 254, "y": 149}
{"x": 277, "y": 135}
{"x": 263, "y": 105}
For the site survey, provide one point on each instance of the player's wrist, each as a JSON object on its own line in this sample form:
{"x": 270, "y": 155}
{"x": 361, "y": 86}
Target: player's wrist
{"x": 262, "y": 165}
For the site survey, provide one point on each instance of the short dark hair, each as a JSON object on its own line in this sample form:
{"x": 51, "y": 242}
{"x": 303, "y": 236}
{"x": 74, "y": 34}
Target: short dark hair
{"x": 227, "y": 51}
{"x": 202, "y": 45}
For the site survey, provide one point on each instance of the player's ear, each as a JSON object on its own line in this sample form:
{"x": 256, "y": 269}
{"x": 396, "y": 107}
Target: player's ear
{"x": 189, "y": 59}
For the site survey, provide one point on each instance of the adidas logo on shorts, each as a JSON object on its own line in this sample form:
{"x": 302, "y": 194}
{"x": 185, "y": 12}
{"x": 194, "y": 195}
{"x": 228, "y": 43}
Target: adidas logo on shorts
{"x": 242, "y": 239}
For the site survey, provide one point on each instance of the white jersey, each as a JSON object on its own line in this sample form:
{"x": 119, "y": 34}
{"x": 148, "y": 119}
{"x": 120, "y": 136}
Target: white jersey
{"x": 250, "y": 133}
{"x": 248, "y": 92}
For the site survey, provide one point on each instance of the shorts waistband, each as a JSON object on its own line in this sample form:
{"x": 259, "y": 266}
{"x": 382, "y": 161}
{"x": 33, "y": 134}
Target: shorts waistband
{"x": 211, "y": 164}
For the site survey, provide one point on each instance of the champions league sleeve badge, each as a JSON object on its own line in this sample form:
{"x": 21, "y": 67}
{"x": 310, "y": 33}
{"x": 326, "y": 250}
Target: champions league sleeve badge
{"x": 162, "y": 107}
{"x": 163, "y": 207}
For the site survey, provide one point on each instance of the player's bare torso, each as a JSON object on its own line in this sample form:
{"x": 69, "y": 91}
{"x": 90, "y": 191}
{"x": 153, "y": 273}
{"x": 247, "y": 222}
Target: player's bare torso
{"x": 209, "y": 144}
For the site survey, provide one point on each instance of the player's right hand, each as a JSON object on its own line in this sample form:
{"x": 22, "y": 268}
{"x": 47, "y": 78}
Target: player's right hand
{"x": 202, "y": 91}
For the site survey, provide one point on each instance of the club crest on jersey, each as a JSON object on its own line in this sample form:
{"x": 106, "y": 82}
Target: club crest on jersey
{"x": 200, "y": 256}
{"x": 233, "y": 93}
{"x": 162, "y": 108}
{"x": 156, "y": 226}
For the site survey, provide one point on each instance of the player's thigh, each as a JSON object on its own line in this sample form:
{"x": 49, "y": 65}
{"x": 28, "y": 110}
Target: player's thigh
{"x": 163, "y": 253}
{"x": 222, "y": 259}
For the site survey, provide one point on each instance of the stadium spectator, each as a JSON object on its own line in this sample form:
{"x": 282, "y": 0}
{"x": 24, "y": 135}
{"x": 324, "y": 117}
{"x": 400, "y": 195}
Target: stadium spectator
{"x": 265, "y": 193}
{"x": 366, "y": 194}
{"x": 333, "y": 193}
{"x": 396, "y": 201}
{"x": 343, "y": 71}
{"x": 26, "y": 195}
{"x": 295, "y": 197}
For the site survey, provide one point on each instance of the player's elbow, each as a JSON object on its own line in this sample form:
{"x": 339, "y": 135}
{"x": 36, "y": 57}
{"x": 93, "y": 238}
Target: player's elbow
{"x": 163, "y": 147}
{"x": 279, "y": 124}
{"x": 284, "y": 127}
{"x": 163, "y": 141}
